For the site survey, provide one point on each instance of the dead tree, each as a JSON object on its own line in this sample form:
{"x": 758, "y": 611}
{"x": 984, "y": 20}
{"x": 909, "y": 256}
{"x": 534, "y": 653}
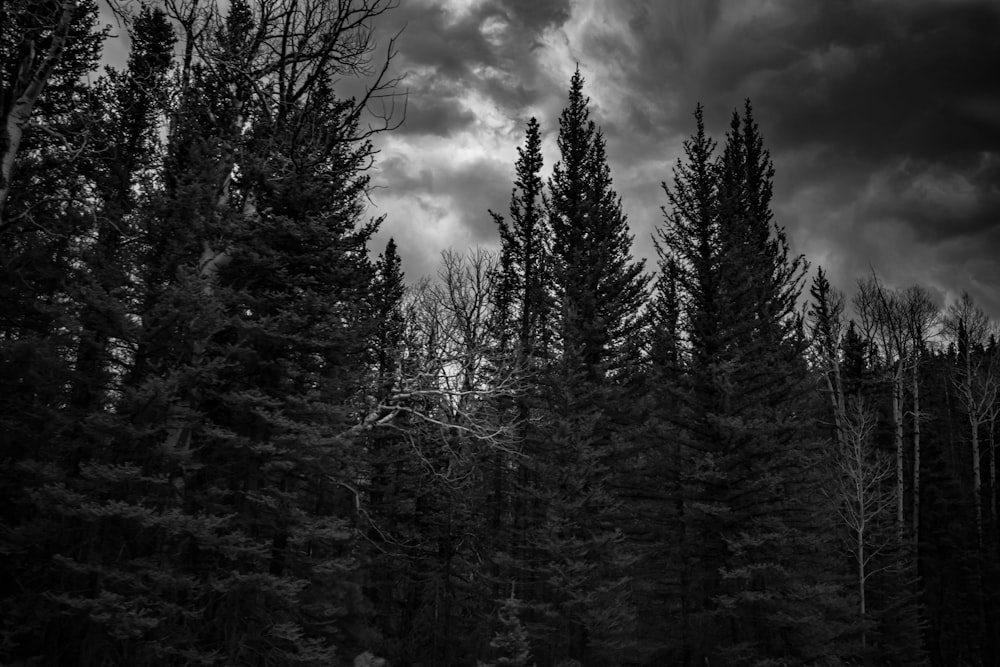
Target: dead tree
{"x": 865, "y": 501}
{"x": 976, "y": 380}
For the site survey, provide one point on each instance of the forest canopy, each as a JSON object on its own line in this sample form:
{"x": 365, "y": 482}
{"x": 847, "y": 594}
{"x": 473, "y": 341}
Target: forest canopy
{"x": 231, "y": 434}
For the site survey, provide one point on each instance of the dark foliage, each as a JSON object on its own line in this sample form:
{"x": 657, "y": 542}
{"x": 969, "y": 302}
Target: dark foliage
{"x": 228, "y": 436}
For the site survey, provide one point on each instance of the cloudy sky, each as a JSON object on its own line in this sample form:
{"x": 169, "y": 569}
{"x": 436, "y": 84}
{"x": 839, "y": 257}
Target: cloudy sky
{"x": 882, "y": 116}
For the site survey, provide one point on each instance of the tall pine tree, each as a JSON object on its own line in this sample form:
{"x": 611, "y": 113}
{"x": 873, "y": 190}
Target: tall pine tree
{"x": 598, "y": 292}
{"x": 751, "y": 553}
{"x": 524, "y": 309}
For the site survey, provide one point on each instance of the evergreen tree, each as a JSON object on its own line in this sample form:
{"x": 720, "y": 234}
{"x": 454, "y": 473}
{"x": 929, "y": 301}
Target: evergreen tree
{"x": 599, "y": 288}
{"x": 387, "y": 301}
{"x": 510, "y": 643}
{"x": 526, "y": 244}
{"x": 756, "y": 590}
{"x": 523, "y": 308}
{"x": 226, "y": 436}
{"x": 688, "y": 293}
{"x": 598, "y": 293}
{"x": 132, "y": 103}
{"x": 47, "y": 49}
{"x": 198, "y": 503}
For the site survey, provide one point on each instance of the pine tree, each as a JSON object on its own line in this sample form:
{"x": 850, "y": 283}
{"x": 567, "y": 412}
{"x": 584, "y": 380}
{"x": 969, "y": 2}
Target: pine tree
{"x": 825, "y": 329}
{"x": 198, "y": 503}
{"x": 598, "y": 292}
{"x": 755, "y": 590}
{"x": 387, "y": 301}
{"x": 510, "y": 642}
{"x": 523, "y": 299}
{"x": 132, "y": 103}
{"x": 47, "y": 52}
{"x": 523, "y": 309}
{"x": 599, "y": 288}
{"x": 47, "y": 49}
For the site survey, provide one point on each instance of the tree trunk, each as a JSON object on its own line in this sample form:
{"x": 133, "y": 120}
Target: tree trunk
{"x": 974, "y": 421}
{"x": 682, "y": 545}
{"x": 977, "y": 482}
{"x": 993, "y": 468}
{"x": 835, "y": 386}
{"x": 499, "y": 540}
{"x": 897, "y": 420}
{"x": 915, "y": 389}
{"x": 31, "y": 79}
{"x": 862, "y": 602}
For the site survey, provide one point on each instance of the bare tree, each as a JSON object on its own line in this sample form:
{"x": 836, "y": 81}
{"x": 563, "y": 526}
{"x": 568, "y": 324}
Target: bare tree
{"x": 882, "y": 315}
{"x": 976, "y": 380}
{"x": 449, "y": 411}
{"x": 920, "y": 315}
{"x": 865, "y": 500}
{"x": 450, "y": 380}
{"x": 288, "y": 50}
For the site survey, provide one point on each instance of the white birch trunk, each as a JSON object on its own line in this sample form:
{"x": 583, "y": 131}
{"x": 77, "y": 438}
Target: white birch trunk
{"x": 993, "y": 467}
{"x": 977, "y": 481}
{"x": 915, "y": 389}
{"x": 862, "y": 577}
{"x": 897, "y": 420}
{"x": 30, "y": 82}
{"x": 972, "y": 408}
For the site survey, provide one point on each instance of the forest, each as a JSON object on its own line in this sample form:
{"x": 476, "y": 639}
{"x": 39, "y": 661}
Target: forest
{"x": 231, "y": 434}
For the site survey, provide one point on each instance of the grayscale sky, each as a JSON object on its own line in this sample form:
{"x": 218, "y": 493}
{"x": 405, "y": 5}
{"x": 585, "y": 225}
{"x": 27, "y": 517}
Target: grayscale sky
{"x": 882, "y": 116}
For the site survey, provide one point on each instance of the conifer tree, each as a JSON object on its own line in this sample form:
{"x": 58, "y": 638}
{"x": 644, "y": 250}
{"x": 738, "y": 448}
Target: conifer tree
{"x": 598, "y": 292}
{"x": 132, "y": 103}
{"x": 825, "y": 319}
{"x": 599, "y": 288}
{"x": 205, "y": 511}
{"x": 387, "y": 301}
{"x": 509, "y": 645}
{"x": 47, "y": 50}
{"x": 755, "y": 591}
{"x": 526, "y": 240}
{"x": 523, "y": 309}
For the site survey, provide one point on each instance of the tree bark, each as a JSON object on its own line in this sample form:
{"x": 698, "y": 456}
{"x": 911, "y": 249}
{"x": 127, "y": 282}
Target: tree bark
{"x": 993, "y": 468}
{"x": 862, "y": 602}
{"x": 977, "y": 481}
{"x": 897, "y": 420}
{"x": 915, "y": 389}
{"x": 28, "y": 86}
{"x": 974, "y": 422}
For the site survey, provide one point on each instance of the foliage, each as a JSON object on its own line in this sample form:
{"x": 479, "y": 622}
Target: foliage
{"x": 228, "y": 435}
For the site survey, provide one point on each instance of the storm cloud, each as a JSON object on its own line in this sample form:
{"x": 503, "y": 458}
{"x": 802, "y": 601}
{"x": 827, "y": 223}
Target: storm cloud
{"x": 883, "y": 119}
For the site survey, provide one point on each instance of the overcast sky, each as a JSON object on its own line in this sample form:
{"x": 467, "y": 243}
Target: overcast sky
{"x": 882, "y": 116}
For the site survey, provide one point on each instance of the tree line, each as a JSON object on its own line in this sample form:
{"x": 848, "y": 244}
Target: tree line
{"x": 229, "y": 435}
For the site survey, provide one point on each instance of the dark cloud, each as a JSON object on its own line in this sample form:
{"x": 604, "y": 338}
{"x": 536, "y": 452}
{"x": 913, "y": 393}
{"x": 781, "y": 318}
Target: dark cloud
{"x": 883, "y": 117}
{"x": 536, "y": 16}
{"x": 435, "y": 207}
{"x": 488, "y": 48}
{"x": 936, "y": 202}
{"x": 470, "y": 190}
{"x": 924, "y": 84}
{"x": 435, "y": 114}
{"x": 453, "y": 47}
{"x": 872, "y": 77}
